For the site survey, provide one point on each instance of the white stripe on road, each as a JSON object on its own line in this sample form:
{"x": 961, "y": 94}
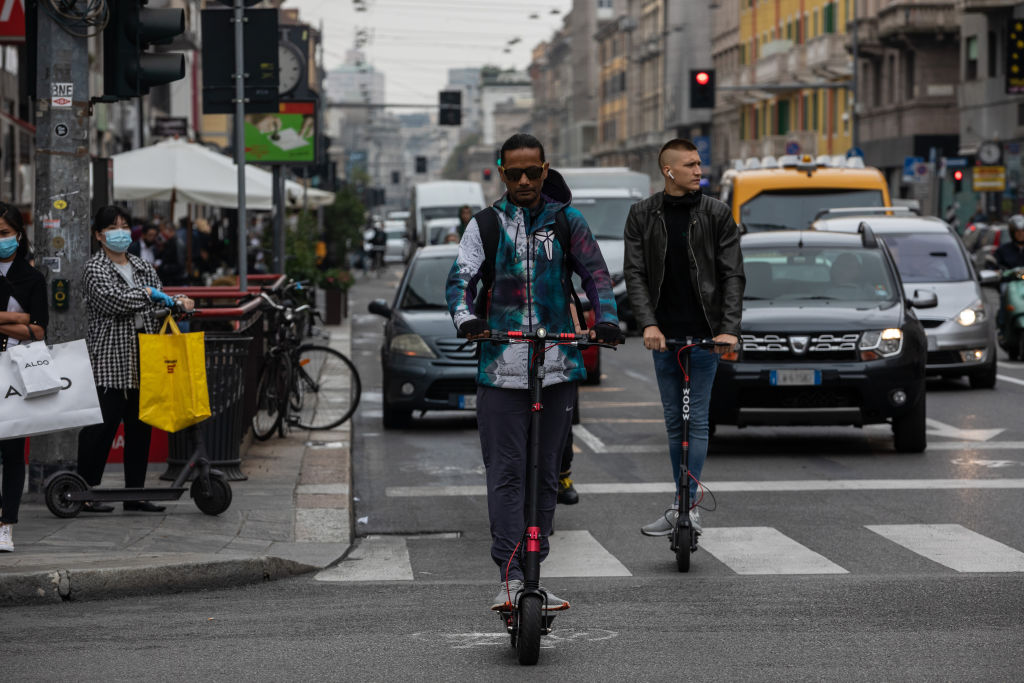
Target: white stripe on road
{"x": 577, "y": 553}
{"x": 736, "y": 487}
{"x": 954, "y": 546}
{"x": 764, "y": 550}
{"x": 1013, "y": 380}
{"x": 376, "y": 558}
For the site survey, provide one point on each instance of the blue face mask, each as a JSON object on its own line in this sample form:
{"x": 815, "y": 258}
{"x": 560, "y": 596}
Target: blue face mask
{"x": 119, "y": 240}
{"x": 8, "y": 245}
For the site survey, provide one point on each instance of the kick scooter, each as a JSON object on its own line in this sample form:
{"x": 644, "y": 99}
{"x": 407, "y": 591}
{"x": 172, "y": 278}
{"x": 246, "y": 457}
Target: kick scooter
{"x": 525, "y": 618}
{"x": 683, "y": 538}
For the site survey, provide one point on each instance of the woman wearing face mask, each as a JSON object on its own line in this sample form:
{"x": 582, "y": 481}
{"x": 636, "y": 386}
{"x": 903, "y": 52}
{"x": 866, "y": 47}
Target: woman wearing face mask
{"x": 117, "y": 286}
{"x": 23, "y": 317}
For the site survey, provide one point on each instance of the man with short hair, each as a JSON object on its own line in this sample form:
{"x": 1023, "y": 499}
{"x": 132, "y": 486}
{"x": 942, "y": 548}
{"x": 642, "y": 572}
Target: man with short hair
{"x": 684, "y": 276}
{"x": 529, "y": 290}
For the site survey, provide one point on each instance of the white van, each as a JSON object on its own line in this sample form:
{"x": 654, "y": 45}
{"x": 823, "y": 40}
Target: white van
{"x": 440, "y": 199}
{"x": 603, "y": 196}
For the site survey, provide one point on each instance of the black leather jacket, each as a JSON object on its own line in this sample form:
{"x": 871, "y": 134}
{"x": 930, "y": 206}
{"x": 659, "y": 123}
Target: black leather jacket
{"x": 716, "y": 264}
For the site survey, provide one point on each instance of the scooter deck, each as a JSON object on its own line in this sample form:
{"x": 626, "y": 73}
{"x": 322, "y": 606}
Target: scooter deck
{"x": 118, "y": 495}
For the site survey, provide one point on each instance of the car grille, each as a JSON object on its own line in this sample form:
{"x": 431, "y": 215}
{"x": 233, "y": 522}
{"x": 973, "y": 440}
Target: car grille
{"x": 450, "y": 348}
{"x": 799, "y": 397}
{"x": 441, "y": 389}
{"x": 943, "y": 358}
{"x": 811, "y": 348}
{"x": 927, "y": 324}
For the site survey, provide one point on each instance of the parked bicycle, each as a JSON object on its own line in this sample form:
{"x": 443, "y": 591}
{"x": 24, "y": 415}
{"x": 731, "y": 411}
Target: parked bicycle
{"x": 302, "y": 385}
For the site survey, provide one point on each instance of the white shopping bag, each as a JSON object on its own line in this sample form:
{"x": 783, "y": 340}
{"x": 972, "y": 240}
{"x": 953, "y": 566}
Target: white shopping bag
{"x": 34, "y": 367}
{"x": 75, "y": 405}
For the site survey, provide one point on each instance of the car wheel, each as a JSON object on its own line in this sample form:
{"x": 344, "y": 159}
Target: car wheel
{"x": 594, "y": 378}
{"x": 908, "y": 431}
{"x": 984, "y": 378}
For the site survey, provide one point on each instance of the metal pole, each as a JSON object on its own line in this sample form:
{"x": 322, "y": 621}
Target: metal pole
{"x": 279, "y": 209}
{"x": 61, "y": 229}
{"x": 243, "y": 228}
{"x": 854, "y": 137}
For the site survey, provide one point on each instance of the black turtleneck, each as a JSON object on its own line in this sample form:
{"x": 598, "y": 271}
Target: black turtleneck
{"x": 679, "y": 311}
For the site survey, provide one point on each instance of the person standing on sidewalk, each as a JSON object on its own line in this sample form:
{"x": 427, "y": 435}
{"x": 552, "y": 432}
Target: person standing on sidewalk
{"x": 117, "y": 286}
{"x": 529, "y": 289}
{"x": 23, "y": 317}
{"x": 684, "y": 276}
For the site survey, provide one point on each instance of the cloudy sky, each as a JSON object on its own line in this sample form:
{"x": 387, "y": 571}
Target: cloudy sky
{"x": 414, "y": 42}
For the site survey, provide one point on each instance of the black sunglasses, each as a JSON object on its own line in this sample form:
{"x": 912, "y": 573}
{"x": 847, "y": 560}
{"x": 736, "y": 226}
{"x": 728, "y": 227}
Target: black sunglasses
{"x": 532, "y": 172}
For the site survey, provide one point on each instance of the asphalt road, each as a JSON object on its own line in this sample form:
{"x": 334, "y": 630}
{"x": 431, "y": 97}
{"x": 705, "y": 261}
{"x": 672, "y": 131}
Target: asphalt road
{"x": 827, "y": 556}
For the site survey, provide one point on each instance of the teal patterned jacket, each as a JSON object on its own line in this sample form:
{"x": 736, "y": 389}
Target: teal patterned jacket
{"x": 528, "y": 289}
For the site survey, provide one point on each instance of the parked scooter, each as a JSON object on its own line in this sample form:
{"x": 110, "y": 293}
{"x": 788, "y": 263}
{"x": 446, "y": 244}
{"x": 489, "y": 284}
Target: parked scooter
{"x": 1010, "y": 333}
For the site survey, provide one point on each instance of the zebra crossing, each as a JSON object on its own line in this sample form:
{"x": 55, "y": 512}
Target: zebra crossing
{"x": 739, "y": 550}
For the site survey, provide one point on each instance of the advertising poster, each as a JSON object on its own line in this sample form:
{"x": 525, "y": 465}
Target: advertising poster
{"x": 285, "y": 137}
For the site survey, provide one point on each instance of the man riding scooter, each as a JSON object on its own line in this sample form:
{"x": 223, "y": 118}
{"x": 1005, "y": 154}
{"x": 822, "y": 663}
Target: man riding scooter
{"x": 1010, "y": 321}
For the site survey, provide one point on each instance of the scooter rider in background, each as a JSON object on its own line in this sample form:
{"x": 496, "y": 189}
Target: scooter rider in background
{"x": 684, "y": 275}
{"x": 1011, "y": 254}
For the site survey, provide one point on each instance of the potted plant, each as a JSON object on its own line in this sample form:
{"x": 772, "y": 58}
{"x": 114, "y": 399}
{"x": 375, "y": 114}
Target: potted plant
{"x": 335, "y": 283}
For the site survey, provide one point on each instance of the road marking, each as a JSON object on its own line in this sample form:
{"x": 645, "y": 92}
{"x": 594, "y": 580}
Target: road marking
{"x": 977, "y": 446}
{"x": 592, "y": 442}
{"x": 331, "y": 489}
{"x": 598, "y": 390}
{"x": 942, "y": 429}
{"x": 621, "y": 404}
{"x": 623, "y": 420}
{"x": 764, "y": 550}
{"x": 376, "y": 558}
{"x": 638, "y": 376}
{"x": 577, "y": 553}
{"x": 954, "y": 546}
{"x": 1013, "y": 380}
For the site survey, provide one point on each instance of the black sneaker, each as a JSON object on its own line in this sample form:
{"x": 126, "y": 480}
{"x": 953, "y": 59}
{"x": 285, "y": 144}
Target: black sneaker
{"x": 96, "y": 506}
{"x": 567, "y": 494}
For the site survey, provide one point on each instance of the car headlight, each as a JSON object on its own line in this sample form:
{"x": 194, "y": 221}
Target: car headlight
{"x": 411, "y": 345}
{"x": 875, "y": 344}
{"x": 972, "y": 315}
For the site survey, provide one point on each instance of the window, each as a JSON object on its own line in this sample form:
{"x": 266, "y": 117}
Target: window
{"x": 828, "y": 18}
{"x": 891, "y": 74}
{"x": 814, "y": 23}
{"x": 993, "y": 59}
{"x": 1020, "y": 114}
{"x": 782, "y": 117}
{"x": 908, "y": 76}
{"x": 814, "y": 111}
{"x": 971, "y": 56}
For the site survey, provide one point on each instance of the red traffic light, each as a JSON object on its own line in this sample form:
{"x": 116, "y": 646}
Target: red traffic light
{"x": 702, "y": 77}
{"x": 958, "y": 175}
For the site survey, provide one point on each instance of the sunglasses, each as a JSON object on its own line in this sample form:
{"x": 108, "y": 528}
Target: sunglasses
{"x": 532, "y": 172}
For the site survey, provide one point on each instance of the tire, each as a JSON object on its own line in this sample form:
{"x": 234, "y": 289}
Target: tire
{"x": 984, "y": 378}
{"x": 331, "y": 385}
{"x": 394, "y": 418}
{"x": 57, "y": 489}
{"x": 683, "y": 550}
{"x": 217, "y": 500}
{"x": 531, "y": 619}
{"x": 271, "y": 393}
{"x": 908, "y": 431}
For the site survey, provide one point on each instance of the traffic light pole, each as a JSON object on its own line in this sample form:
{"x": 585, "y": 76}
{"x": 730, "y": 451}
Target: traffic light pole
{"x": 243, "y": 223}
{"x": 61, "y": 225}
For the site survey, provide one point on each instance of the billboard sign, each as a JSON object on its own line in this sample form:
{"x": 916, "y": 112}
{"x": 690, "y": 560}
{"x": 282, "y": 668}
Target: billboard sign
{"x": 285, "y": 137}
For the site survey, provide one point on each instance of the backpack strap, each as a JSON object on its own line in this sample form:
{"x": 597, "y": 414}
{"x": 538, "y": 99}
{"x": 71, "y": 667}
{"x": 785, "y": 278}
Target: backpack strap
{"x": 564, "y": 236}
{"x": 487, "y": 223}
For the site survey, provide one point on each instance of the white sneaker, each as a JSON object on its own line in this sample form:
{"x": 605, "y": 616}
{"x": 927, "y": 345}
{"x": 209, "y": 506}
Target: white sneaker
{"x": 6, "y": 538}
{"x": 507, "y": 595}
{"x": 663, "y": 525}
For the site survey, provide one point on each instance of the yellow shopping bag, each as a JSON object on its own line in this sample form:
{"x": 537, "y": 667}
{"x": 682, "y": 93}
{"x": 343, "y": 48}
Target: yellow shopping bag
{"x": 172, "y": 378}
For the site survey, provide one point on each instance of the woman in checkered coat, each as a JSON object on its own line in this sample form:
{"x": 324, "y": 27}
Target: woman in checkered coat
{"x": 118, "y": 285}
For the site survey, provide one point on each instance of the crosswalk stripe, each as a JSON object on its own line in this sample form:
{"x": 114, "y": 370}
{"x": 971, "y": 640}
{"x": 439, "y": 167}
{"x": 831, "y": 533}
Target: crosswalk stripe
{"x": 376, "y": 558}
{"x": 577, "y": 553}
{"x": 954, "y": 546}
{"x": 764, "y": 550}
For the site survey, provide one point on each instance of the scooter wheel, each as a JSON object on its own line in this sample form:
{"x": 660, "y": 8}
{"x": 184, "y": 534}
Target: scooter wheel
{"x": 58, "y": 487}
{"x": 215, "y": 500}
{"x": 684, "y": 541}
{"x": 531, "y": 620}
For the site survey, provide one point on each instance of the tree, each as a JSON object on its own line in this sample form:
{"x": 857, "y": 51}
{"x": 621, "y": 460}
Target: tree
{"x": 343, "y": 223}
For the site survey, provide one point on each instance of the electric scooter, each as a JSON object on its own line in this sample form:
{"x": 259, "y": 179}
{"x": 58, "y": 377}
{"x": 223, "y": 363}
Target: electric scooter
{"x": 1011, "y": 314}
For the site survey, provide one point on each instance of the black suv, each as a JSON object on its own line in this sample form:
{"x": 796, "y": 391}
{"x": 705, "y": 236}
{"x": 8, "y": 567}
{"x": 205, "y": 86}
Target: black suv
{"x": 829, "y": 338}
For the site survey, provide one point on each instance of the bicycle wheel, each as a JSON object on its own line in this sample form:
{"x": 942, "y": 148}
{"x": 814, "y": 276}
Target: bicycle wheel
{"x": 331, "y": 386}
{"x": 271, "y": 397}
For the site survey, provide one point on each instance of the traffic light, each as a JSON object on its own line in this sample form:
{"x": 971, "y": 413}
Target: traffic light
{"x": 128, "y": 69}
{"x": 958, "y": 178}
{"x": 450, "y": 111}
{"x": 702, "y": 88}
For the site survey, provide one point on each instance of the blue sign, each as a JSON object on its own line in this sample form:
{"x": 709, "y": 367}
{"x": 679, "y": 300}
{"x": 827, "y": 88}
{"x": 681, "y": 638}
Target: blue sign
{"x": 855, "y": 152}
{"x": 956, "y": 162}
{"x": 792, "y": 147}
{"x": 909, "y": 168}
{"x": 703, "y": 143}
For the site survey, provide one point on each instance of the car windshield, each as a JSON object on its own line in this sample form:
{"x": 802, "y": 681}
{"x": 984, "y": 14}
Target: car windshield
{"x": 796, "y": 210}
{"x": 424, "y": 288}
{"x": 606, "y": 216}
{"x": 430, "y": 212}
{"x": 928, "y": 258}
{"x": 826, "y": 274}
{"x": 394, "y": 233}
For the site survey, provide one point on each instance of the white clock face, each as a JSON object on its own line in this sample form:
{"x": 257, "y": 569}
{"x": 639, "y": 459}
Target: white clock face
{"x": 289, "y": 69}
{"x": 989, "y": 152}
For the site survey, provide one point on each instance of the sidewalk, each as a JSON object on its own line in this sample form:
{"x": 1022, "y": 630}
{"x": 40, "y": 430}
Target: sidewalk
{"x": 292, "y": 515}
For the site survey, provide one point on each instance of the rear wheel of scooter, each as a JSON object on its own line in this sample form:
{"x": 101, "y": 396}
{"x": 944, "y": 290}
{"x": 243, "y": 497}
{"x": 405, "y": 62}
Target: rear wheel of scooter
{"x": 214, "y": 501}
{"x": 530, "y": 621}
{"x": 58, "y": 488}
{"x": 683, "y": 549}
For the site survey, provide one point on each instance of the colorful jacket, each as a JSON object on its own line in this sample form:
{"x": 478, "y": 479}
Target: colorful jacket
{"x": 529, "y": 289}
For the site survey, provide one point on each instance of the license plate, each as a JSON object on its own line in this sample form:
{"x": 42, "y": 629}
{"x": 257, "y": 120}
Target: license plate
{"x": 467, "y": 401}
{"x": 794, "y": 378}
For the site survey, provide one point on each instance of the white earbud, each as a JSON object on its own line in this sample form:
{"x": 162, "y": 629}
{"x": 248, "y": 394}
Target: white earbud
{"x": 670, "y": 175}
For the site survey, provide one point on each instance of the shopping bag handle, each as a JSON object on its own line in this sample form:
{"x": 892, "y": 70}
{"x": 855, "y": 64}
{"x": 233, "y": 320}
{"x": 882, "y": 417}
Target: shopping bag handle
{"x": 169, "y": 321}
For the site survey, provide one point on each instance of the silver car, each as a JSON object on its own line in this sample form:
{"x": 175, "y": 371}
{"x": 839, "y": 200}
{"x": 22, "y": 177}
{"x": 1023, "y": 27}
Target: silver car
{"x": 931, "y": 258}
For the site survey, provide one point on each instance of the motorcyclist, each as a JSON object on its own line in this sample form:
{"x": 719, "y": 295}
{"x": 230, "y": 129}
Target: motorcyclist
{"x": 1011, "y": 254}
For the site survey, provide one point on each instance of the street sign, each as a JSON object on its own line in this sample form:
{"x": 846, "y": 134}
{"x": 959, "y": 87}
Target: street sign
{"x": 855, "y": 152}
{"x": 956, "y": 162}
{"x": 792, "y": 147}
{"x": 910, "y": 168}
{"x": 12, "y": 21}
{"x": 989, "y": 178}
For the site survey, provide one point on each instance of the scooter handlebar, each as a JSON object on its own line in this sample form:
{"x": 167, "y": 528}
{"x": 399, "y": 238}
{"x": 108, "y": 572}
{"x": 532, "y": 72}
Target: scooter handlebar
{"x": 581, "y": 339}
{"x": 702, "y": 342}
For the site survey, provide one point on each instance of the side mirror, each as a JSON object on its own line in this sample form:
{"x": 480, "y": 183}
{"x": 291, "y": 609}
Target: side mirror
{"x": 925, "y": 299}
{"x": 379, "y": 307}
{"x": 989, "y": 278}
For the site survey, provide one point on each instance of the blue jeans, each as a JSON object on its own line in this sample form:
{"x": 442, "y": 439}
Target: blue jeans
{"x": 703, "y": 366}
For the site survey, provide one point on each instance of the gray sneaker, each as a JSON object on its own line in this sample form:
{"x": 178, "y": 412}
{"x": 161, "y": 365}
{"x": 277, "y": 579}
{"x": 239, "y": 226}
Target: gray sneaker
{"x": 506, "y": 593}
{"x": 696, "y": 521}
{"x": 554, "y": 604}
{"x": 661, "y": 526}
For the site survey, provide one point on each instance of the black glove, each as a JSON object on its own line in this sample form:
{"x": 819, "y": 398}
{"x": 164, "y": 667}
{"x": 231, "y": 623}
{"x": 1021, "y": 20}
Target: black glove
{"x": 607, "y": 333}
{"x": 473, "y": 327}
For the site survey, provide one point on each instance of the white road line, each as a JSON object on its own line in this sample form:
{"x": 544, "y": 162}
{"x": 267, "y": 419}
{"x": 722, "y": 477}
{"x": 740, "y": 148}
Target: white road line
{"x": 376, "y": 558}
{"x": 577, "y": 553}
{"x": 736, "y": 486}
{"x": 954, "y": 546}
{"x": 592, "y": 442}
{"x": 764, "y": 550}
{"x": 1013, "y": 380}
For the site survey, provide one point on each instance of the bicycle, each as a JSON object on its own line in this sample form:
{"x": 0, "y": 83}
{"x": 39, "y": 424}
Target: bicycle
{"x": 308, "y": 386}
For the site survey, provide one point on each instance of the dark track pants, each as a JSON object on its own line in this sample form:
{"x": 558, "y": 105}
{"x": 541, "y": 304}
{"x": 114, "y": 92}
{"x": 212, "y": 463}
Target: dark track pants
{"x": 12, "y": 460}
{"x": 94, "y": 441}
{"x": 503, "y": 418}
